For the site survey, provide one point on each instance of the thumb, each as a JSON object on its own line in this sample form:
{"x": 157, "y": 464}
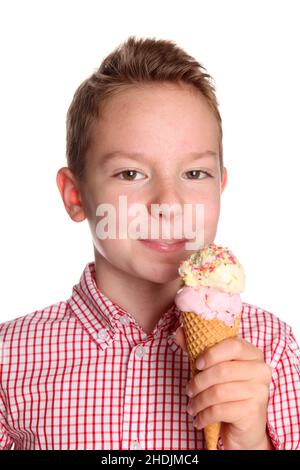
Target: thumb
{"x": 180, "y": 338}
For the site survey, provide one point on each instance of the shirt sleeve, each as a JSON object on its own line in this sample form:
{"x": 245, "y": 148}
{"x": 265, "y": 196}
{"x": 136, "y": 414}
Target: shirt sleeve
{"x": 283, "y": 415}
{"x": 6, "y": 441}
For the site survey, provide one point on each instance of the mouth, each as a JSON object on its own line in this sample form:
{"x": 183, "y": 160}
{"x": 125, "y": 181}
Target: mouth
{"x": 166, "y": 246}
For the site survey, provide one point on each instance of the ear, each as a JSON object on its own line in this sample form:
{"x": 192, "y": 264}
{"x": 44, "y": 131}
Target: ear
{"x": 70, "y": 194}
{"x": 224, "y": 180}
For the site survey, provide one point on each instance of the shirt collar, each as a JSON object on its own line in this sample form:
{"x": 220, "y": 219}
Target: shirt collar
{"x": 103, "y": 318}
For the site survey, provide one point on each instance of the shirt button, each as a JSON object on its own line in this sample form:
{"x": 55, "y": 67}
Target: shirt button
{"x": 124, "y": 321}
{"x": 102, "y": 334}
{"x": 140, "y": 351}
{"x": 135, "y": 445}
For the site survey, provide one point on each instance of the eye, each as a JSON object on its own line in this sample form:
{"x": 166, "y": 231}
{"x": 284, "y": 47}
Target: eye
{"x": 198, "y": 174}
{"x": 128, "y": 175}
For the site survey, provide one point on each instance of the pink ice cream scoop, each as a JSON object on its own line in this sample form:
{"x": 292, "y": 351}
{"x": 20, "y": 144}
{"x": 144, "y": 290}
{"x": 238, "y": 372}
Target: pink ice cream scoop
{"x": 209, "y": 303}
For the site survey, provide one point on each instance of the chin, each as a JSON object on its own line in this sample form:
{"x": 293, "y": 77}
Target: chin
{"x": 160, "y": 275}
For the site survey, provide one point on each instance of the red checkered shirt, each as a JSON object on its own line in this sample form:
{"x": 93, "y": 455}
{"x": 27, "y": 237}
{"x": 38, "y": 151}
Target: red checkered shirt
{"x": 82, "y": 374}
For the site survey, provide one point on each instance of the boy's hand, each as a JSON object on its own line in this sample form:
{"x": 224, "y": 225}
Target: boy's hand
{"x": 233, "y": 388}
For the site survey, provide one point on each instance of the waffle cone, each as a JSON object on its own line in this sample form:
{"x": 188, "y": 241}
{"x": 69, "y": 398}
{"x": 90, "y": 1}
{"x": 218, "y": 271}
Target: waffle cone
{"x": 200, "y": 335}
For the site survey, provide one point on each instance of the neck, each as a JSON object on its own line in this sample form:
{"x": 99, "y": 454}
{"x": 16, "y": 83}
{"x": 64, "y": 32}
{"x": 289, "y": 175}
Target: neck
{"x": 152, "y": 301}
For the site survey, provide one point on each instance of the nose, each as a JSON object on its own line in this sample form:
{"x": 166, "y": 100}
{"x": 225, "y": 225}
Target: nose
{"x": 166, "y": 200}
{"x": 165, "y": 208}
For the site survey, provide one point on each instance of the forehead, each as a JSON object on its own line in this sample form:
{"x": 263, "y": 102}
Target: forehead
{"x": 156, "y": 118}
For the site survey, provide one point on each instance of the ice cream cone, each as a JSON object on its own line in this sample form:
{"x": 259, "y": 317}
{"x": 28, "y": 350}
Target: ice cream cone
{"x": 210, "y": 304}
{"x": 201, "y": 334}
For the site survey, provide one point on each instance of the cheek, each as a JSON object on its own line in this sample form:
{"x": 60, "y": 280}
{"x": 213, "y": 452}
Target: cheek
{"x": 95, "y": 195}
{"x": 212, "y": 209}
{"x": 111, "y": 249}
{"x": 112, "y": 220}
{"x": 210, "y": 201}
{"x": 211, "y": 217}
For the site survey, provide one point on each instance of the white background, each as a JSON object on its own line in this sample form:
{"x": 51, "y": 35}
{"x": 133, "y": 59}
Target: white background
{"x": 251, "y": 48}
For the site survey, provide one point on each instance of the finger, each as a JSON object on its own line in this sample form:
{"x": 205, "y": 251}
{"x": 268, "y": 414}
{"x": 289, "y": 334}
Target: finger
{"x": 230, "y": 371}
{"x": 227, "y": 392}
{"x": 232, "y": 412}
{"x": 228, "y": 350}
{"x": 180, "y": 338}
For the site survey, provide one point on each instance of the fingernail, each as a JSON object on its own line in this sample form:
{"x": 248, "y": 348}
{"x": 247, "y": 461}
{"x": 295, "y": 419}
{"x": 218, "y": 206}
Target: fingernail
{"x": 189, "y": 392}
{"x": 200, "y": 364}
{"x": 189, "y": 409}
{"x": 197, "y": 424}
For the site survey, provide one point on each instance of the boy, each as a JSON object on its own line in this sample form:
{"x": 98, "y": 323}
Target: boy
{"x": 103, "y": 370}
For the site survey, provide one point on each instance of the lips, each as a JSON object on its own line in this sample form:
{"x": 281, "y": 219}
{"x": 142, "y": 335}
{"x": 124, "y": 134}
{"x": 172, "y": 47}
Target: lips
{"x": 164, "y": 246}
{"x": 164, "y": 241}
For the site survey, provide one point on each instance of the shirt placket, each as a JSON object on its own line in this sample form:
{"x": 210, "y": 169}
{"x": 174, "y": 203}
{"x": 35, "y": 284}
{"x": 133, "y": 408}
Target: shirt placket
{"x": 135, "y": 399}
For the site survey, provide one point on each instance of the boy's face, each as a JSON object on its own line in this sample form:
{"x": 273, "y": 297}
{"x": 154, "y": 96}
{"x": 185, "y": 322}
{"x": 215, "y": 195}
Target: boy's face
{"x": 166, "y": 123}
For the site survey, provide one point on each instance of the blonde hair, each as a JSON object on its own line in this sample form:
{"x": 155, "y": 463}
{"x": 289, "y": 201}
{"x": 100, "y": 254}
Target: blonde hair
{"x": 134, "y": 62}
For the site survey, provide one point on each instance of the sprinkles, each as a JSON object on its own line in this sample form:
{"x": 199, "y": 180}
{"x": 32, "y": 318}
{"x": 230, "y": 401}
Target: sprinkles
{"x": 200, "y": 266}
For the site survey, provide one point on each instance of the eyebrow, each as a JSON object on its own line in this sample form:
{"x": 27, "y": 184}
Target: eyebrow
{"x": 106, "y": 158}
